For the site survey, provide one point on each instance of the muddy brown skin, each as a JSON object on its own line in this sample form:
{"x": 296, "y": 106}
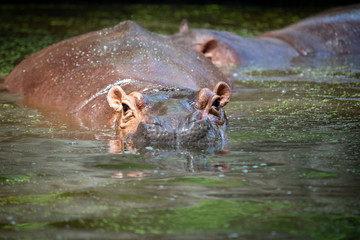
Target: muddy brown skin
{"x": 336, "y": 31}
{"x": 102, "y": 78}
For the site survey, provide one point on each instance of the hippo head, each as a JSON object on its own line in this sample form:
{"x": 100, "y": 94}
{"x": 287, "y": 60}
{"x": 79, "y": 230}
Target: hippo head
{"x": 217, "y": 46}
{"x": 229, "y": 51}
{"x": 171, "y": 116}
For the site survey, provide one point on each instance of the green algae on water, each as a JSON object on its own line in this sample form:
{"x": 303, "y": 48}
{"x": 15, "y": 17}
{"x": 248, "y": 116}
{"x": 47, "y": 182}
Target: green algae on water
{"x": 228, "y": 216}
{"x": 318, "y": 175}
{"x": 14, "y": 179}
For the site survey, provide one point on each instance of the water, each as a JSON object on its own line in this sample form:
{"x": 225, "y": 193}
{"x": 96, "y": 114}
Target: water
{"x": 291, "y": 170}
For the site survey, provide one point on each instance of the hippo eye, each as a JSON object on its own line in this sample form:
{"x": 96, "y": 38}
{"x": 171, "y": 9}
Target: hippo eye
{"x": 125, "y": 107}
{"x": 216, "y": 103}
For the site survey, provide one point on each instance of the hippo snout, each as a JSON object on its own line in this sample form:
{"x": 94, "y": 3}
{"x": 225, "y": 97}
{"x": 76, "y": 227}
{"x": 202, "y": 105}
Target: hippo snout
{"x": 191, "y": 129}
{"x": 197, "y": 128}
{"x": 155, "y": 129}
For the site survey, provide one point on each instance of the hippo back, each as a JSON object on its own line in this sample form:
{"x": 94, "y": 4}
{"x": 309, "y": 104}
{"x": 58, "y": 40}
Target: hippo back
{"x": 333, "y": 31}
{"x": 74, "y": 75}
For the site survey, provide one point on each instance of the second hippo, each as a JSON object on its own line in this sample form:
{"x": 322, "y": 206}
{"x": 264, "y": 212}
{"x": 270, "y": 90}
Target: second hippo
{"x": 335, "y": 31}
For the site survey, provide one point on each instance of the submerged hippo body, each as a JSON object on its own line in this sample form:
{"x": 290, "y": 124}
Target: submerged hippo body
{"x": 336, "y": 31}
{"x": 104, "y": 77}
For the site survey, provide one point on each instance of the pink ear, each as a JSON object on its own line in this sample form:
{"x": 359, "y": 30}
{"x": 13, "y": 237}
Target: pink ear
{"x": 115, "y": 96}
{"x": 184, "y": 26}
{"x": 209, "y": 45}
{"x": 209, "y": 48}
{"x": 203, "y": 97}
{"x": 223, "y": 90}
{"x": 139, "y": 100}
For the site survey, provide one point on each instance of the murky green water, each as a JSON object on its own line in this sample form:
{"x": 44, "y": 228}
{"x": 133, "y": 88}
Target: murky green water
{"x": 292, "y": 170}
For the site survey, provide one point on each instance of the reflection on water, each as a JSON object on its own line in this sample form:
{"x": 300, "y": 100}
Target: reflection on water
{"x": 291, "y": 169}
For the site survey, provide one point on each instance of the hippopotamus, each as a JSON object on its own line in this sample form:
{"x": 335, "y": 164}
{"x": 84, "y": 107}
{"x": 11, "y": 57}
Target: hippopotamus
{"x": 335, "y": 31}
{"x": 139, "y": 82}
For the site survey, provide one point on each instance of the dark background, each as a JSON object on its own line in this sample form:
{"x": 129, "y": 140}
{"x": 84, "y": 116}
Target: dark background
{"x": 275, "y": 3}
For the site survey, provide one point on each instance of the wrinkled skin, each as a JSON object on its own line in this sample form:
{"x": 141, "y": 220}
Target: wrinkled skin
{"x": 126, "y": 76}
{"x": 336, "y": 31}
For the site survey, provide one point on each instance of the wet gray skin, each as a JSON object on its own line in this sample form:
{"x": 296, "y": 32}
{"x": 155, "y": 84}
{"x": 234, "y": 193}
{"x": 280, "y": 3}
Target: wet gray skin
{"x": 174, "y": 122}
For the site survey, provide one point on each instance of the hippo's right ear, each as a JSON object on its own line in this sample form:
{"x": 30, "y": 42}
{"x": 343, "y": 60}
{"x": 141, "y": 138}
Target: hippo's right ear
{"x": 223, "y": 90}
{"x": 115, "y": 96}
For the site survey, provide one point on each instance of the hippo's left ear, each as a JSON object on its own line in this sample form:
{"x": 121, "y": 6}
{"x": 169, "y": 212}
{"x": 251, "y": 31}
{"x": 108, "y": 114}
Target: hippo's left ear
{"x": 223, "y": 90}
{"x": 115, "y": 96}
{"x": 184, "y": 27}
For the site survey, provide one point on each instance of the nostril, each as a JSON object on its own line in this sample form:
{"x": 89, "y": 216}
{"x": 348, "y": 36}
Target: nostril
{"x": 147, "y": 120}
{"x": 150, "y": 119}
{"x": 197, "y": 116}
{"x": 200, "y": 116}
